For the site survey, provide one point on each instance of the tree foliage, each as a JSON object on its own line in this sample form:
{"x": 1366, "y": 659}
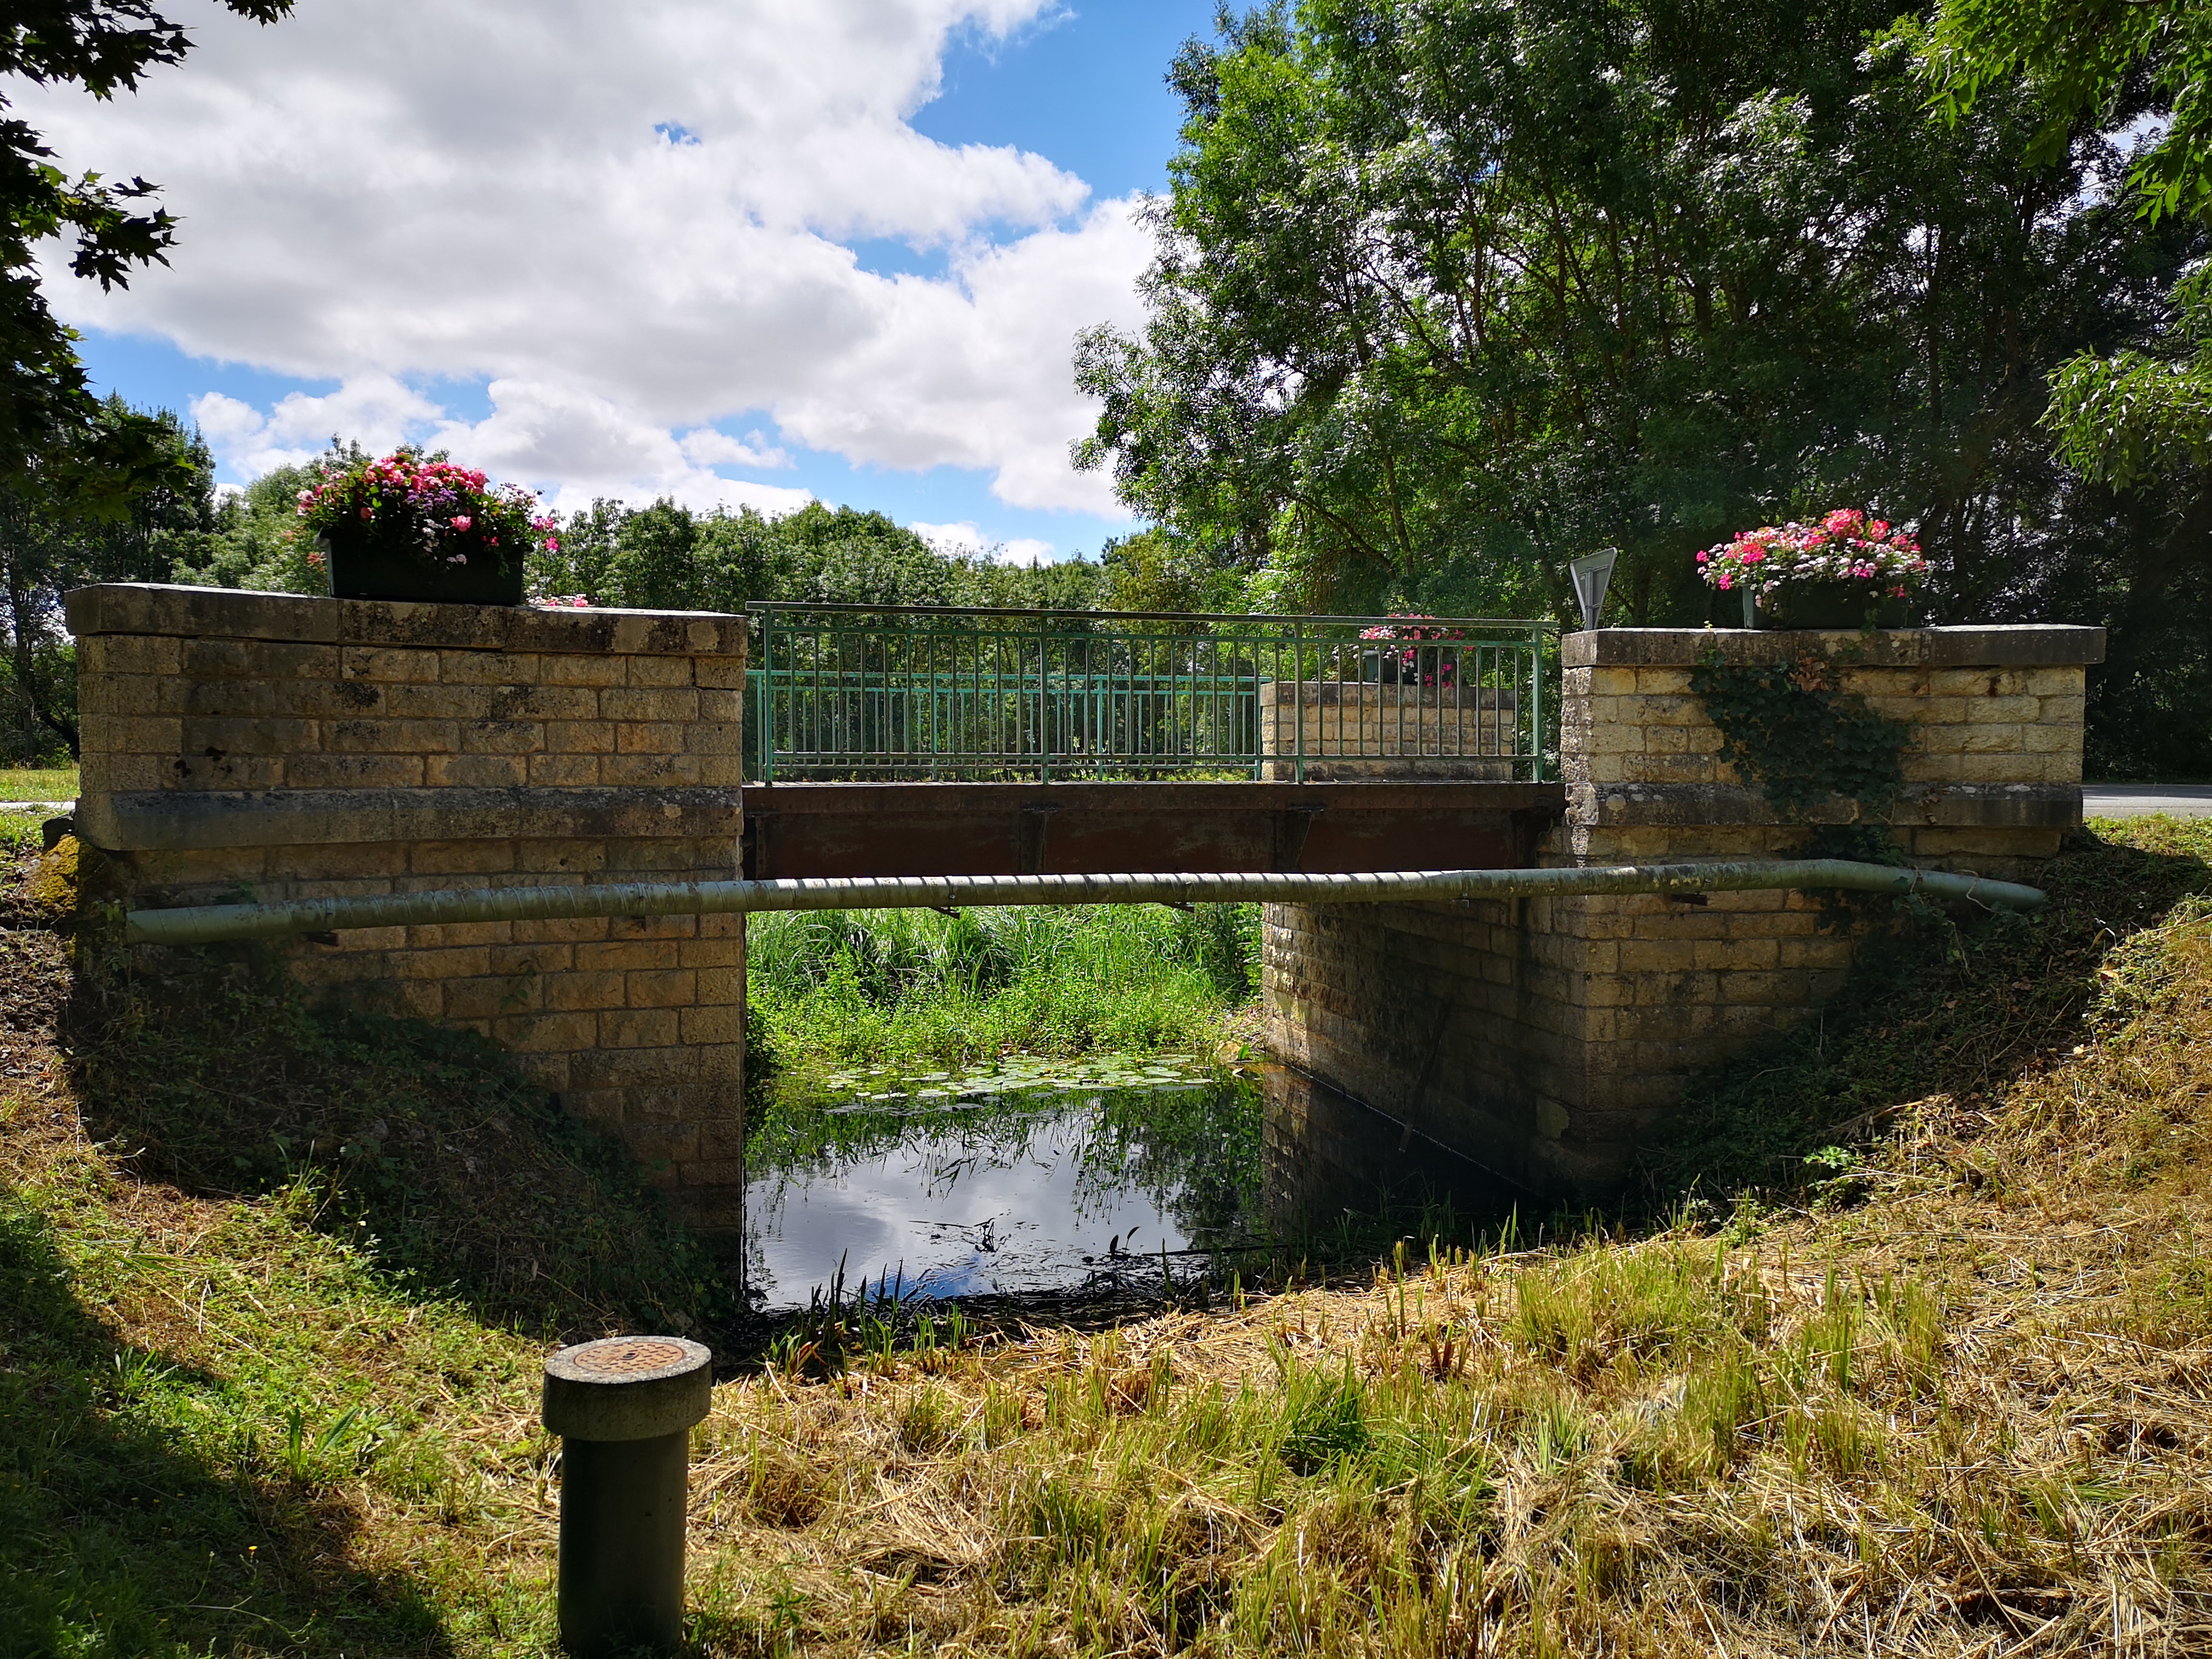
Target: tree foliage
{"x": 665, "y": 556}
{"x": 49, "y": 420}
{"x": 51, "y": 541}
{"x": 2136, "y": 420}
{"x": 2086, "y": 61}
{"x": 1450, "y": 292}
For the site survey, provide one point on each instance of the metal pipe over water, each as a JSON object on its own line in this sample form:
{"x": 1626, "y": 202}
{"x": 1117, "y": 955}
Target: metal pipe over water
{"x": 204, "y": 924}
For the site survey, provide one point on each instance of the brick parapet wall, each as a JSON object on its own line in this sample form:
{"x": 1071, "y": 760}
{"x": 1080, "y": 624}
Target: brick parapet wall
{"x": 1546, "y": 1038}
{"x": 1352, "y": 731}
{"x": 273, "y": 746}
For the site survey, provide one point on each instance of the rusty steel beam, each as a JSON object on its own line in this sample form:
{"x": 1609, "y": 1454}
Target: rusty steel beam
{"x": 797, "y": 830}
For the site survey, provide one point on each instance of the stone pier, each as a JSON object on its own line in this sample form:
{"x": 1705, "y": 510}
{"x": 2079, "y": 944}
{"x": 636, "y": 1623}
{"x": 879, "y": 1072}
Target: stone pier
{"x": 261, "y": 746}
{"x": 1546, "y": 1038}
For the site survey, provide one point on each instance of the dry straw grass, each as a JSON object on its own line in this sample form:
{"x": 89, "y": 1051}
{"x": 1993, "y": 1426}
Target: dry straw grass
{"x": 1969, "y": 1415}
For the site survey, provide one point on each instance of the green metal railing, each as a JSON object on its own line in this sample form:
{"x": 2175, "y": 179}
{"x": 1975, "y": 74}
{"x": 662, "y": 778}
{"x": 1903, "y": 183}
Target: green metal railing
{"x": 927, "y": 692}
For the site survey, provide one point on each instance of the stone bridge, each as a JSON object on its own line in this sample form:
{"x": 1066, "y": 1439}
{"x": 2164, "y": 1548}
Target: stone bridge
{"x": 272, "y": 746}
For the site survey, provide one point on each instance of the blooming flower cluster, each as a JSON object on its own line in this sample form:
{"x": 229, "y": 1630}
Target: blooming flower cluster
{"x": 1846, "y": 546}
{"x": 562, "y": 601}
{"x": 446, "y": 512}
{"x": 1412, "y": 664}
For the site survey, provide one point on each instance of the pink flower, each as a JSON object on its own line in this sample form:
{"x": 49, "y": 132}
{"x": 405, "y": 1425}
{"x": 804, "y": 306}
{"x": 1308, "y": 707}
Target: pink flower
{"x": 461, "y": 523}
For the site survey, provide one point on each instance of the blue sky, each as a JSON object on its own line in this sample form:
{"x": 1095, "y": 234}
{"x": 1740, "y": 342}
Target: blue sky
{"x": 1081, "y": 87}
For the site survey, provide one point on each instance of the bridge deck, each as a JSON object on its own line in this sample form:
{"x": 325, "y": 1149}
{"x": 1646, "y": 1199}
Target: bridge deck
{"x": 795, "y": 829}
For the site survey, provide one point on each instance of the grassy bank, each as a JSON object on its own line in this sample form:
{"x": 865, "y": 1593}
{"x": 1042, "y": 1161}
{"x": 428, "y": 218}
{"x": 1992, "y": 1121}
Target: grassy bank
{"x": 914, "y": 990}
{"x": 38, "y": 783}
{"x": 1958, "y": 1403}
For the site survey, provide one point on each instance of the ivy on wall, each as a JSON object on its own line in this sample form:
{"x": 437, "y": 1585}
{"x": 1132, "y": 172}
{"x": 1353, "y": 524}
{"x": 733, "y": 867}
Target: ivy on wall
{"x": 1785, "y": 727}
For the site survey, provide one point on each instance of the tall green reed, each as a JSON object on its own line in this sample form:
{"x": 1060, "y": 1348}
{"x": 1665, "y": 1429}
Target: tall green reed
{"x": 908, "y": 988}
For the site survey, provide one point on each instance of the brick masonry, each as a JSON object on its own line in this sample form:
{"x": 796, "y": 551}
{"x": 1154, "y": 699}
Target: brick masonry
{"x": 271, "y": 746}
{"x": 1353, "y": 731}
{"x": 1546, "y": 1038}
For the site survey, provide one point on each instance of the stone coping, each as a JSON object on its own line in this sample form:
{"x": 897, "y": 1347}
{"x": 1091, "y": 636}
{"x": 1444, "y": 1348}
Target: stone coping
{"x": 189, "y": 820}
{"x": 2011, "y": 644}
{"x": 1938, "y": 805}
{"x": 228, "y": 613}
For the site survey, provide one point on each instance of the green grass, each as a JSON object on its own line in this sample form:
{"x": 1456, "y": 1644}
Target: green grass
{"x": 38, "y": 783}
{"x": 201, "y": 1404}
{"x": 914, "y": 990}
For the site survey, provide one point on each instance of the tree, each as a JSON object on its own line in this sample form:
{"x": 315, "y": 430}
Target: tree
{"x": 1449, "y": 292}
{"x": 48, "y": 422}
{"x": 666, "y": 556}
{"x": 2136, "y": 422}
{"x": 255, "y": 540}
{"x": 50, "y": 542}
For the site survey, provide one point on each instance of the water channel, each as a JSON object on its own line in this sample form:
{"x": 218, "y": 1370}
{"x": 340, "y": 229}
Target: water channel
{"x": 1036, "y": 1178}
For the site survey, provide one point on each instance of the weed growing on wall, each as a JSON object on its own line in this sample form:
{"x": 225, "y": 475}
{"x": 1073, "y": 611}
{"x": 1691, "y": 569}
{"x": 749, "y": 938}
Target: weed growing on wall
{"x": 1786, "y": 727}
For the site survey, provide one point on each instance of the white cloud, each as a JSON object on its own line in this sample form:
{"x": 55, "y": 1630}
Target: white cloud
{"x": 375, "y": 409}
{"x": 967, "y": 537}
{"x": 388, "y": 191}
{"x": 583, "y": 445}
{"x": 708, "y": 447}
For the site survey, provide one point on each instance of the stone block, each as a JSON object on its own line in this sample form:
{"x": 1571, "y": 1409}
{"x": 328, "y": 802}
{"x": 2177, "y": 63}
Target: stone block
{"x": 651, "y": 769}
{"x": 546, "y": 771}
{"x": 126, "y": 653}
{"x": 637, "y": 1028}
{"x": 466, "y": 667}
{"x": 387, "y": 666}
{"x": 531, "y": 958}
{"x": 662, "y": 987}
{"x": 651, "y": 737}
{"x": 353, "y": 771}
{"x": 580, "y": 990}
{"x": 460, "y": 858}
{"x": 502, "y": 737}
{"x": 620, "y": 955}
{"x": 661, "y": 673}
{"x": 722, "y": 1024}
{"x": 567, "y": 930}
{"x": 392, "y": 737}
{"x": 580, "y": 737}
{"x": 536, "y": 1033}
{"x": 630, "y": 703}
{"x": 470, "y": 934}
{"x": 492, "y": 997}
{"x": 476, "y": 771}
{"x": 574, "y": 669}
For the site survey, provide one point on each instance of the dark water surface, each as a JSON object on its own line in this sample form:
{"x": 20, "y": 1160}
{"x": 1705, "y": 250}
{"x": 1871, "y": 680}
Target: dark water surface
{"x": 1020, "y": 1182}
{"x": 1010, "y": 1184}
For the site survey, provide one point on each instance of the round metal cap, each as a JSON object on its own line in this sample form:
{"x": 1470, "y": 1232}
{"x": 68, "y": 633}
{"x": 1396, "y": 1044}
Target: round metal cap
{"x": 627, "y": 1387}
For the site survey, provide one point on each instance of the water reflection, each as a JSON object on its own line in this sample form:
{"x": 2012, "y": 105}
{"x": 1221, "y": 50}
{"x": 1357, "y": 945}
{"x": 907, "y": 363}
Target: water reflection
{"x": 1326, "y": 1158}
{"x": 1047, "y": 1191}
{"x": 978, "y": 1191}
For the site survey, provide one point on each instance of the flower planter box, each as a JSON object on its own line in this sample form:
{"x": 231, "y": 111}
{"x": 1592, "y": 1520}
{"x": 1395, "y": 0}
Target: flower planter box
{"x": 365, "y": 568}
{"x": 1830, "y": 605}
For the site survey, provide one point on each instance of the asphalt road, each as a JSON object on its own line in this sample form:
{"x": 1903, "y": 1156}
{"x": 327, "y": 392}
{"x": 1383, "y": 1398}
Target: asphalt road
{"x": 2140, "y": 800}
